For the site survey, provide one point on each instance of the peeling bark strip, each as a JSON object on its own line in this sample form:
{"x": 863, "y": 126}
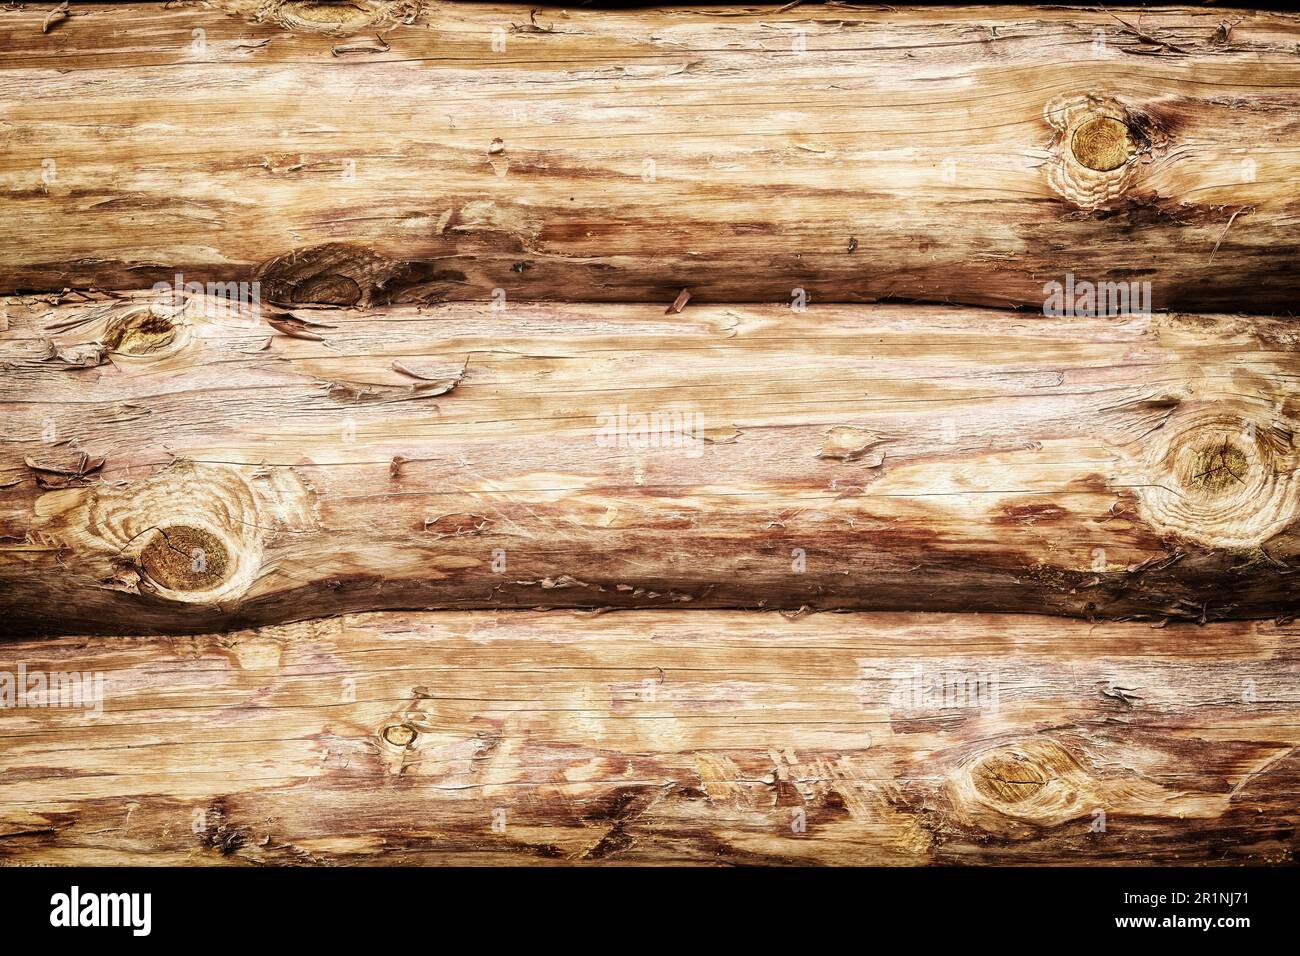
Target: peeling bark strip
{"x": 220, "y": 469}
{"x": 653, "y": 737}
{"x": 624, "y": 155}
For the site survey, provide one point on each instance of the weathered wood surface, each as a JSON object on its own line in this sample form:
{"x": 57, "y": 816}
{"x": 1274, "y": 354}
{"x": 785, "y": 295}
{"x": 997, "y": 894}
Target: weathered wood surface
{"x": 423, "y": 151}
{"x": 182, "y": 465}
{"x": 664, "y": 737}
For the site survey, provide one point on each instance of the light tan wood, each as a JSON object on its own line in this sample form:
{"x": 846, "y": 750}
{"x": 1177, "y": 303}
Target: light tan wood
{"x": 424, "y": 151}
{"x": 180, "y": 465}
{"x": 663, "y": 737}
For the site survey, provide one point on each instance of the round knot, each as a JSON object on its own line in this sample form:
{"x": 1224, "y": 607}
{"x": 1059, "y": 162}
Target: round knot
{"x": 1101, "y": 143}
{"x": 1008, "y": 777}
{"x": 193, "y": 532}
{"x": 185, "y": 558}
{"x": 328, "y": 289}
{"x": 1020, "y": 787}
{"x": 399, "y": 735}
{"x": 315, "y": 16}
{"x": 141, "y": 331}
{"x": 1222, "y": 480}
{"x": 1215, "y": 465}
{"x": 1091, "y": 155}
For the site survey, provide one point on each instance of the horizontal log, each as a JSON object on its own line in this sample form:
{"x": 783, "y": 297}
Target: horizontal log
{"x": 661, "y": 737}
{"x": 188, "y": 464}
{"x": 750, "y": 154}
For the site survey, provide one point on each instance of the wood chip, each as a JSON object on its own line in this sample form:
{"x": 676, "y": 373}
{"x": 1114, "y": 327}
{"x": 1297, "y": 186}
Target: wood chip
{"x": 851, "y": 443}
{"x": 86, "y": 355}
{"x": 679, "y": 303}
{"x": 294, "y": 327}
{"x": 377, "y": 45}
{"x": 431, "y": 383}
{"x": 83, "y": 465}
{"x": 57, "y": 15}
{"x": 531, "y": 26}
{"x": 427, "y": 374}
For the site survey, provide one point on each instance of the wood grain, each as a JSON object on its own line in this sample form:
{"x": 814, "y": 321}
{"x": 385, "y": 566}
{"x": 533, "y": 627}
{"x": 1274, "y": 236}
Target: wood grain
{"x": 664, "y": 737}
{"x": 413, "y": 152}
{"x": 185, "y": 465}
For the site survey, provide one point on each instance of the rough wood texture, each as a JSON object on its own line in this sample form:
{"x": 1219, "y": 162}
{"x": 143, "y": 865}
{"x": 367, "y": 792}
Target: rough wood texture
{"x": 182, "y": 466}
{"x": 857, "y": 154}
{"x": 664, "y": 737}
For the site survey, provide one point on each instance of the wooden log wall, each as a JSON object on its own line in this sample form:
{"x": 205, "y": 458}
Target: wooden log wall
{"x": 438, "y": 433}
